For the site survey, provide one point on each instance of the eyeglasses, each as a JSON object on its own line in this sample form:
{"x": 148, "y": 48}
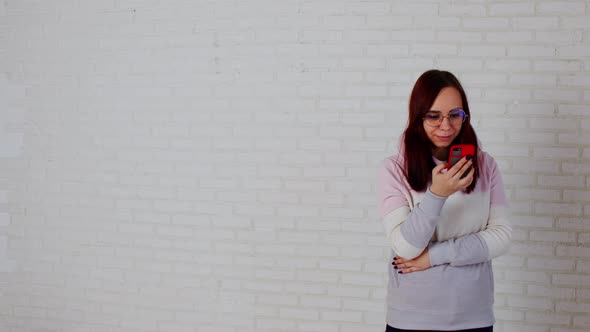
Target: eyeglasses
{"x": 434, "y": 118}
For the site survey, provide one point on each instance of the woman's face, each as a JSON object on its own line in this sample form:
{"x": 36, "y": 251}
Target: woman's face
{"x": 447, "y": 100}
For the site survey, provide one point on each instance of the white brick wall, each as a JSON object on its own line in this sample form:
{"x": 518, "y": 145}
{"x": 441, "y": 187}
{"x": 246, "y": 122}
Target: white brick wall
{"x": 209, "y": 166}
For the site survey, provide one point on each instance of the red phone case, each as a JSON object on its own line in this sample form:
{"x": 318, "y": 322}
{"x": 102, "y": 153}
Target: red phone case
{"x": 459, "y": 151}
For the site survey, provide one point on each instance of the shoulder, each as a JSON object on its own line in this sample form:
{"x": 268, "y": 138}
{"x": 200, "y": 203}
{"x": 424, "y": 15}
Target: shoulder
{"x": 394, "y": 163}
{"x": 491, "y": 180}
{"x": 488, "y": 164}
{"x": 392, "y": 169}
{"x": 490, "y": 175}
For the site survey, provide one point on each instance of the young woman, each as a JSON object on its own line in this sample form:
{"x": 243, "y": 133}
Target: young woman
{"x": 444, "y": 225}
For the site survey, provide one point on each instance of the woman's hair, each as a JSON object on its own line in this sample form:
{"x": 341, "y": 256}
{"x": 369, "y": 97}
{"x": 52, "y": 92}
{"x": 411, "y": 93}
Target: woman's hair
{"x": 417, "y": 145}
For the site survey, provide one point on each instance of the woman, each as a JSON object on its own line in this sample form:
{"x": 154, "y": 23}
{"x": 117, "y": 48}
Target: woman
{"x": 444, "y": 224}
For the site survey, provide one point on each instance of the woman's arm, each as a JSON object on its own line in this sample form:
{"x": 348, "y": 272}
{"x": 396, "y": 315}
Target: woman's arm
{"x": 485, "y": 245}
{"x": 408, "y": 232}
{"x": 475, "y": 248}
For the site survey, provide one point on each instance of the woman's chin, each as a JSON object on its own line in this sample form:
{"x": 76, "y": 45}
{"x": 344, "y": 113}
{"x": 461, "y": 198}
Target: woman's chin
{"x": 443, "y": 145}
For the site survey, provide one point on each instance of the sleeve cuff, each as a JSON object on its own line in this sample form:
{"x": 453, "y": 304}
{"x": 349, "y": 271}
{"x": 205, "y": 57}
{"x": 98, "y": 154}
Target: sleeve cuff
{"x": 432, "y": 204}
{"x": 439, "y": 253}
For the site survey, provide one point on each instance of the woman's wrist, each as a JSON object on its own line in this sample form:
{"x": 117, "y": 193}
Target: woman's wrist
{"x": 432, "y": 204}
{"x": 436, "y": 192}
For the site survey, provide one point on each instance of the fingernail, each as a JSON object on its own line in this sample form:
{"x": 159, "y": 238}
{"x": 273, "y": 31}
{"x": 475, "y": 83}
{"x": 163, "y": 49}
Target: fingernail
{"x": 469, "y": 157}
{"x": 395, "y": 267}
{"x": 400, "y": 272}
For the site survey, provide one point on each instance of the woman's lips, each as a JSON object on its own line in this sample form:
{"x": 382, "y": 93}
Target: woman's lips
{"x": 444, "y": 138}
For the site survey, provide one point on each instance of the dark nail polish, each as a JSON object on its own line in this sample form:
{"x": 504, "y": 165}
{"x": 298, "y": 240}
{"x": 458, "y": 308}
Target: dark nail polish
{"x": 400, "y": 272}
{"x": 469, "y": 157}
{"x": 395, "y": 267}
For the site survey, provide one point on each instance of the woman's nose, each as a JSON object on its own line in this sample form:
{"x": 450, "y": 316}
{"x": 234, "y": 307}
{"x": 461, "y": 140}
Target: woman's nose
{"x": 446, "y": 123}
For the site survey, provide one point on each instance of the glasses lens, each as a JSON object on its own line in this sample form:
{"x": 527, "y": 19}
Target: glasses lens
{"x": 457, "y": 116}
{"x": 432, "y": 119}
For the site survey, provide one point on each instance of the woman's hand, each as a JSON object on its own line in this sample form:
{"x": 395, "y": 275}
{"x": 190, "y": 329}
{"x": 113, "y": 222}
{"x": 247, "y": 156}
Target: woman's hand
{"x": 419, "y": 263}
{"x": 446, "y": 184}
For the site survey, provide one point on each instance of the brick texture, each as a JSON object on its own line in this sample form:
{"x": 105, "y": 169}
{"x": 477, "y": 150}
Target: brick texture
{"x": 209, "y": 166}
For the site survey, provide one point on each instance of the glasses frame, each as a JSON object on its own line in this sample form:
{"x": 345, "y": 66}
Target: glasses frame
{"x": 442, "y": 118}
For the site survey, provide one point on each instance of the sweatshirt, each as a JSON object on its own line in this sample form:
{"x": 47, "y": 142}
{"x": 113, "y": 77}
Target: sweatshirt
{"x": 463, "y": 233}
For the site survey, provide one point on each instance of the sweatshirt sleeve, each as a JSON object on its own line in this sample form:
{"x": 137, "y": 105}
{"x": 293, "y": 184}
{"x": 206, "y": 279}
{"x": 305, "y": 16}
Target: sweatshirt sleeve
{"x": 485, "y": 245}
{"x": 408, "y": 230}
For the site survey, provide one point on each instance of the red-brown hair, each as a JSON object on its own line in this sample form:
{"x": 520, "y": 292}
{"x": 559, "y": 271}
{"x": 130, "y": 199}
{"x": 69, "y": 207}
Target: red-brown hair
{"x": 417, "y": 145}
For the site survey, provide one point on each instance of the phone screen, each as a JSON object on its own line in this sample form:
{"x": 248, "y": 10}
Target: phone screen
{"x": 456, "y": 155}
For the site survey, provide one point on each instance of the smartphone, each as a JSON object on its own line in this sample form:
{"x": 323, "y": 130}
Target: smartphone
{"x": 459, "y": 151}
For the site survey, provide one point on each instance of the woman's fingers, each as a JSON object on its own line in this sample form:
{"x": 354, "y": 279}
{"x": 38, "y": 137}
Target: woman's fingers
{"x": 404, "y": 264}
{"x": 439, "y": 168}
{"x": 409, "y": 269}
{"x": 446, "y": 184}
{"x": 453, "y": 170}
{"x": 466, "y": 181}
{"x": 399, "y": 262}
{"x": 463, "y": 168}
{"x": 402, "y": 267}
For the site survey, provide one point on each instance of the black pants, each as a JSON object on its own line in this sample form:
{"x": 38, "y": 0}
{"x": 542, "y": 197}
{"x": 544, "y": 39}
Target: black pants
{"x": 481, "y": 329}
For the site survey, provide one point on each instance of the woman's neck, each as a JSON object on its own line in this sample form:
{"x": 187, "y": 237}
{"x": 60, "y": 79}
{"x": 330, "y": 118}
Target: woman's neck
{"x": 440, "y": 153}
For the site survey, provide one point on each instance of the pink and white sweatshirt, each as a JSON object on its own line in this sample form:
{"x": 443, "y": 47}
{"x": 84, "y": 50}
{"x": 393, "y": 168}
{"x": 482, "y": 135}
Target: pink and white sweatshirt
{"x": 463, "y": 233}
